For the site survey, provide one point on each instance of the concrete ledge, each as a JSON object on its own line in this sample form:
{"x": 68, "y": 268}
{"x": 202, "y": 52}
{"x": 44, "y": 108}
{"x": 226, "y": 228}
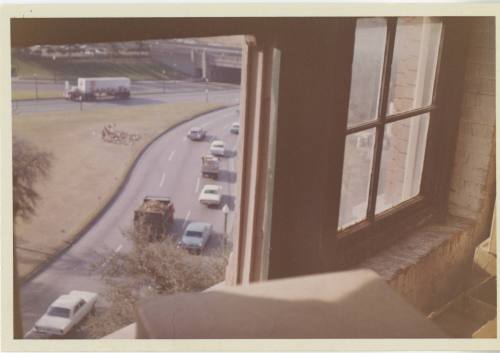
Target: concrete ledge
{"x": 428, "y": 266}
{"x": 484, "y": 259}
{"x": 351, "y": 304}
{"x": 125, "y": 333}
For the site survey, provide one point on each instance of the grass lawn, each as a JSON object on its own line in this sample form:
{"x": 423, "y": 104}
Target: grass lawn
{"x": 85, "y": 170}
{"x": 72, "y": 68}
{"x": 31, "y": 94}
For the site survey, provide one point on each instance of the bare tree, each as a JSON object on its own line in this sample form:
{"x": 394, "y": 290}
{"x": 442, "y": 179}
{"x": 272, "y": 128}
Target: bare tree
{"x": 28, "y": 166}
{"x": 149, "y": 269}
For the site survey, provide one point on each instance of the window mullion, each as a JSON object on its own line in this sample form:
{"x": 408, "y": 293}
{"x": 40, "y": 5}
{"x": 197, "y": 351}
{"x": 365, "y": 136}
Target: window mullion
{"x": 382, "y": 108}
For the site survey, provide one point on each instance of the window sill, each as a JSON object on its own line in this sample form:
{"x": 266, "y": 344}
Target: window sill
{"x": 428, "y": 266}
{"x": 351, "y": 304}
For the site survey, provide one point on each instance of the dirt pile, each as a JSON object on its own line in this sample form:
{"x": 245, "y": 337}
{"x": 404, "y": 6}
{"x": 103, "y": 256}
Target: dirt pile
{"x": 111, "y": 134}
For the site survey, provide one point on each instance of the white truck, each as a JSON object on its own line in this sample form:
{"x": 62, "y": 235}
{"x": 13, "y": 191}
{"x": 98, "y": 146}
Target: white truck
{"x": 92, "y": 88}
{"x": 66, "y": 312}
{"x": 210, "y": 166}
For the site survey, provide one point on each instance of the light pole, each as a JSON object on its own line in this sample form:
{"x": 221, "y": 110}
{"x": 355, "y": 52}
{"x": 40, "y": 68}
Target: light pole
{"x": 225, "y": 210}
{"x": 54, "y": 61}
{"x": 163, "y": 71}
{"x": 36, "y": 86}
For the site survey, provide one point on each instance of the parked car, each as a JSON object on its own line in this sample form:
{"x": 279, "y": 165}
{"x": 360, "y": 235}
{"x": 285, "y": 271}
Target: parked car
{"x": 65, "y": 313}
{"x": 196, "y": 236}
{"x": 210, "y": 195}
{"x": 235, "y": 128}
{"x": 217, "y": 148}
{"x": 196, "y": 133}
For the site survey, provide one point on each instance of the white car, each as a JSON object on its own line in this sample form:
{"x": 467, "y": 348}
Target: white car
{"x": 217, "y": 148}
{"x": 196, "y": 134}
{"x": 235, "y": 128}
{"x": 196, "y": 236}
{"x": 66, "y": 312}
{"x": 210, "y": 195}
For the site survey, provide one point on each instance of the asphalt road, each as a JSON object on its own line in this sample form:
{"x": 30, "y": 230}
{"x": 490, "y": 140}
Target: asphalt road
{"x": 169, "y": 167}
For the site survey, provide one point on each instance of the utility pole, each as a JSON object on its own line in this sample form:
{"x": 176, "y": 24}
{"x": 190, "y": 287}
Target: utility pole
{"x": 163, "y": 71}
{"x": 54, "y": 61}
{"x": 36, "y": 86}
{"x": 225, "y": 211}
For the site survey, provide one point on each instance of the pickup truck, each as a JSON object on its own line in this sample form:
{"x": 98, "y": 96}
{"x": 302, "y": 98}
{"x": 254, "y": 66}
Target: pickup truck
{"x": 65, "y": 313}
{"x": 210, "y": 166}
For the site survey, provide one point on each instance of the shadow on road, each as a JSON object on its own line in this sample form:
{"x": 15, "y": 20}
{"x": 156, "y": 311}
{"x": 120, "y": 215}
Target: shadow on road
{"x": 131, "y": 102}
{"x": 230, "y": 154}
{"x": 177, "y": 227}
{"x": 227, "y": 176}
{"x": 228, "y": 200}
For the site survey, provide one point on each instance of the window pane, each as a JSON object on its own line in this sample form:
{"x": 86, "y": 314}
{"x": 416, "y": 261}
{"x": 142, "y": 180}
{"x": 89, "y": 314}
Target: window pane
{"x": 402, "y": 161}
{"x": 358, "y": 158}
{"x": 414, "y": 63}
{"x": 367, "y": 63}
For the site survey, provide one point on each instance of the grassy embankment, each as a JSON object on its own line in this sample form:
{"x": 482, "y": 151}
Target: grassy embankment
{"x": 85, "y": 170}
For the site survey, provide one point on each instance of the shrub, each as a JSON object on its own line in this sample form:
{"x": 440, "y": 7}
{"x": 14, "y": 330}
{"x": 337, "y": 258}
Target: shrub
{"x": 149, "y": 269}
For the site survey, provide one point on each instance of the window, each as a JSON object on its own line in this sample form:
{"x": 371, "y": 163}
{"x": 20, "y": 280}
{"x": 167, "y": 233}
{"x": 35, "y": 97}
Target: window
{"x": 391, "y": 102}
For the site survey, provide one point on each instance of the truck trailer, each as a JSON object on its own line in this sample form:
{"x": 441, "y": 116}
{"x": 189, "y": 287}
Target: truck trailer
{"x": 92, "y": 88}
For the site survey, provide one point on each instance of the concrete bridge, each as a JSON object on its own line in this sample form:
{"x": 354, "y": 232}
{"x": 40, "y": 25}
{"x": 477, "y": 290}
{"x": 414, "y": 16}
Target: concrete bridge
{"x": 208, "y": 62}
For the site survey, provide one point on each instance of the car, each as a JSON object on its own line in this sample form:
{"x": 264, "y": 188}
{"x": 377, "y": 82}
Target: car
{"x": 196, "y": 236}
{"x": 196, "y": 134}
{"x": 65, "y": 313}
{"x": 217, "y": 148}
{"x": 235, "y": 128}
{"x": 210, "y": 195}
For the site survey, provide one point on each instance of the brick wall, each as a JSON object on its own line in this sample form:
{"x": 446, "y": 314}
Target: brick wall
{"x": 430, "y": 266}
{"x": 469, "y": 192}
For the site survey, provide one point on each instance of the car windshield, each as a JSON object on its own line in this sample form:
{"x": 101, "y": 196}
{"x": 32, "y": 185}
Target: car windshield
{"x": 211, "y": 191}
{"x": 218, "y": 145}
{"x": 192, "y": 233}
{"x": 58, "y": 311}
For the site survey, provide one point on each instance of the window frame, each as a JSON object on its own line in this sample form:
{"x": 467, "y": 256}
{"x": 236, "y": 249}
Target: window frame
{"x": 419, "y": 207}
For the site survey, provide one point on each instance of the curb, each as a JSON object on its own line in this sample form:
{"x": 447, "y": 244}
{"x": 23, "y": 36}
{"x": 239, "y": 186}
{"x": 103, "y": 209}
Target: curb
{"x": 36, "y": 271}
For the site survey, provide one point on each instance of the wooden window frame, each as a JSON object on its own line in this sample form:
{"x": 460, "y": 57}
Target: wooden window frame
{"x": 420, "y": 207}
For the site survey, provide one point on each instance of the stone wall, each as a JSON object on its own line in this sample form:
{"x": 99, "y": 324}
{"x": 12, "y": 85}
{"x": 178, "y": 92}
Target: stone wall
{"x": 430, "y": 266}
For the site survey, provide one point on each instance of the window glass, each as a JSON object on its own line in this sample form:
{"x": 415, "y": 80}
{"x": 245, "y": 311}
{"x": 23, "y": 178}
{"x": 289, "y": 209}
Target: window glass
{"x": 59, "y": 312}
{"x": 358, "y": 159}
{"x": 402, "y": 161}
{"x": 414, "y": 62}
{"x": 367, "y": 65}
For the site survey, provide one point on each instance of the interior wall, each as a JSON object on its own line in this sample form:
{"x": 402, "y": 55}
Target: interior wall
{"x": 470, "y": 191}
